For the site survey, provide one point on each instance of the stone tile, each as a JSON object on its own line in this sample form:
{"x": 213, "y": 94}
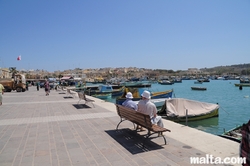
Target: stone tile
{"x": 42, "y": 159}
{"x": 65, "y": 162}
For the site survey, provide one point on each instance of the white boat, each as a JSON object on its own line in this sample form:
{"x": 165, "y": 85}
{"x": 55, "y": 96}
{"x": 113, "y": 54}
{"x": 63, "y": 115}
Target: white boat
{"x": 158, "y": 102}
{"x": 176, "y": 109}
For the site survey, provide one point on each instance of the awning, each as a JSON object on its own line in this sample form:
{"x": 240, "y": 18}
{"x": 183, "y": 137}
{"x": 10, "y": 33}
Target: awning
{"x": 66, "y": 78}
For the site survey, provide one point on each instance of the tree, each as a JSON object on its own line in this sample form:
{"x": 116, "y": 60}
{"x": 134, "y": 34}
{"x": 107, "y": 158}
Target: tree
{"x": 60, "y": 76}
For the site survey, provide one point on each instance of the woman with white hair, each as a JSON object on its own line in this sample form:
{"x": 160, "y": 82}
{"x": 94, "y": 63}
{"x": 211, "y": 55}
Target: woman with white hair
{"x": 147, "y": 107}
{"x": 129, "y": 102}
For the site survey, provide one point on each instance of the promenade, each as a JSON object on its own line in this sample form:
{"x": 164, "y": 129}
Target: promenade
{"x": 39, "y": 130}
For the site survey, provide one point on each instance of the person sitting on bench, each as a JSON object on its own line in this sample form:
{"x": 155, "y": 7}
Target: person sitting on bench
{"x": 147, "y": 107}
{"x": 129, "y": 102}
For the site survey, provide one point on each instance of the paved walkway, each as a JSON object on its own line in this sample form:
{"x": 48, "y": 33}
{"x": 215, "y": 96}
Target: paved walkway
{"x": 39, "y": 130}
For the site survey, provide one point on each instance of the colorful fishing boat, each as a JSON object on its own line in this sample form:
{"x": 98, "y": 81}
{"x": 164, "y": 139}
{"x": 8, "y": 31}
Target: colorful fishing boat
{"x": 103, "y": 96}
{"x": 178, "y": 109}
{"x": 137, "y": 94}
{"x": 105, "y": 89}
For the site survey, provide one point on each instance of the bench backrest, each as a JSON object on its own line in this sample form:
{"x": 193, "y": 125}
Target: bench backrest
{"x": 80, "y": 95}
{"x": 134, "y": 116}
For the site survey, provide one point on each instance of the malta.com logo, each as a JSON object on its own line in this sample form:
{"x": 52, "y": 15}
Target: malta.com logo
{"x": 210, "y": 159}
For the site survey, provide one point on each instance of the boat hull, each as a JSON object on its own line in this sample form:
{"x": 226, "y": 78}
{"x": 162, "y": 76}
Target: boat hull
{"x": 233, "y": 134}
{"x": 158, "y": 102}
{"x": 114, "y": 92}
{"x": 198, "y": 88}
{"x": 102, "y": 96}
{"x": 243, "y": 84}
{"x": 214, "y": 113}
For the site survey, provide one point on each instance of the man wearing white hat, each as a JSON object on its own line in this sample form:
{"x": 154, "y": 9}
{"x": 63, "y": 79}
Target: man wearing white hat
{"x": 147, "y": 107}
{"x": 129, "y": 102}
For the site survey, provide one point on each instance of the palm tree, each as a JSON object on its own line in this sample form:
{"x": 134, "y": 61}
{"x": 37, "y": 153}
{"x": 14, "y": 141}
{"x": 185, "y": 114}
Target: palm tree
{"x": 13, "y": 71}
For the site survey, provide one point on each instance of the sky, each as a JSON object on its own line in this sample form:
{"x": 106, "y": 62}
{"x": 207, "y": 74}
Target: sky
{"x": 164, "y": 34}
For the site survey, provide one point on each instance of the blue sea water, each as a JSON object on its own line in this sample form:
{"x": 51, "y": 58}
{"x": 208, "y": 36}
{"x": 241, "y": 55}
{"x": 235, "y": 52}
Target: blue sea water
{"x": 234, "y": 105}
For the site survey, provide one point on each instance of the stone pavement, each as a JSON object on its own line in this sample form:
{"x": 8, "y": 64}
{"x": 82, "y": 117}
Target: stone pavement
{"x": 39, "y": 130}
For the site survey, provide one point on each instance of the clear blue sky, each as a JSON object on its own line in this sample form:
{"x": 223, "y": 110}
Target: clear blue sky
{"x": 163, "y": 34}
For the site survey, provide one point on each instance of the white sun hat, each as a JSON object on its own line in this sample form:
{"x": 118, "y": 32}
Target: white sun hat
{"x": 129, "y": 95}
{"x": 146, "y": 94}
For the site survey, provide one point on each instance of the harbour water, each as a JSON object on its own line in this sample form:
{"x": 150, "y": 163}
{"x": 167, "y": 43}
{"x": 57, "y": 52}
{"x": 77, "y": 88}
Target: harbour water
{"x": 234, "y": 103}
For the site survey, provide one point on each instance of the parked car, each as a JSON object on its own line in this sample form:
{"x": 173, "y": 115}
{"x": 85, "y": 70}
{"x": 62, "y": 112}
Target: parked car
{"x": 53, "y": 85}
{"x": 42, "y": 84}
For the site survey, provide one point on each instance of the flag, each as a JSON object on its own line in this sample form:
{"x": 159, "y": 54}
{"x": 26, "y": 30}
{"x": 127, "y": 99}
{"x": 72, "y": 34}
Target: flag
{"x": 19, "y": 58}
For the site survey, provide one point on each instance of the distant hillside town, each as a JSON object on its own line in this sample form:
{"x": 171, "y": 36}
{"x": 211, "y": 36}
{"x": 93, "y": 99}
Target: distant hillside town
{"x": 98, "y": 75}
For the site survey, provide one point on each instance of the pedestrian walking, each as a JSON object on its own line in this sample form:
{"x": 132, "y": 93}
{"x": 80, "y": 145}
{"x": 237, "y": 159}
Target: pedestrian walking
{"x": 1, "y": 94}
{"x": 27, "y": 85}
{"x": 47, "y": 87}
{"x": 37, "y": 85}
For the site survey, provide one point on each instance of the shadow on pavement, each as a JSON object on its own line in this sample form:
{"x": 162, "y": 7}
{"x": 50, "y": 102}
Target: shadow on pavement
{"x": 68, "y": 97}
{"x": 80, "y": 106}
{"x": 132, "y": 141}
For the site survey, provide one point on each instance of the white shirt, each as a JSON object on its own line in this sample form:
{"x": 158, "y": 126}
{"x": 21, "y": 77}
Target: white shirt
{"x": 147, "y": 107}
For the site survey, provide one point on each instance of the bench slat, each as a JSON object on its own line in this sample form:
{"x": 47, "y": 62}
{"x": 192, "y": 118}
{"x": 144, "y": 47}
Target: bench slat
{"x": 140, "y": 120}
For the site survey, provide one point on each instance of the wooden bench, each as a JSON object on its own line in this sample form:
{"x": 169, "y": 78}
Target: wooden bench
{"x": 71, "y": 93}
{"x": 59, "y": 87}
{"x": 82, "y": 96}
{"x": 141, "y": 120}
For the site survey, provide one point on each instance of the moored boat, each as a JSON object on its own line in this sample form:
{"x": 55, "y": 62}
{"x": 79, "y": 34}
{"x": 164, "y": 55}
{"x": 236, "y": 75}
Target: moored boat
{"x": 243, "y": 84}
{"x": 198, "y": 82}
{"x": 136, "y": 84}
{"x": 165, "y": 82}
{"x": 233, "y": 134}
{"x": 177, "y": 109}
{"x": 105, "y": 89}
{"x": 198, "y": 88}
{"x": 137, "y": 94}
{"x": 103, "y": 96}
{"x": 244, "y": 80}
{"x": 177, "y": 80}
{"x": 158, "y": 102}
